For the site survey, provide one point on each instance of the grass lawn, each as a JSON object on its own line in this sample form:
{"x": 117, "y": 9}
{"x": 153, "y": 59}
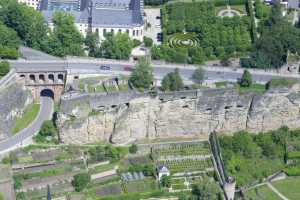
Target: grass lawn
{"x": 30, "y": 113}
{"x": 262, "y": 193}
{"x": 256, "y": 88}
{"x": 289, "y": 187}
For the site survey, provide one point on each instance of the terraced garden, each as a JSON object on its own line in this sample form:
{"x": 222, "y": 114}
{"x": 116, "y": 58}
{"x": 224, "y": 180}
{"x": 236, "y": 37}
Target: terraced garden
{"x": 183, "y": 149}
{"x": 187, "y": 165}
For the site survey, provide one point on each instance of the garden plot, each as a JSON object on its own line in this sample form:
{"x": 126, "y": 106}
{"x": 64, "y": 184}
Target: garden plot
{"x": 110, "y": 189}
{"x": 148, "y": 184}
{"x": 201, "y": 148}
{"x": 188, "y": 165}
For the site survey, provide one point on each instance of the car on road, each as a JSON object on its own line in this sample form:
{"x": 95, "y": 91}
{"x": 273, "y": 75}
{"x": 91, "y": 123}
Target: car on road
{"x": 158, "y": 17}
{"x": 127, "y": 68}
{"x": 104, "y": 67}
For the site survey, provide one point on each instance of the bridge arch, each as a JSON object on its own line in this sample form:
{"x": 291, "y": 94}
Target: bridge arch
{"x": 47, "y": 93}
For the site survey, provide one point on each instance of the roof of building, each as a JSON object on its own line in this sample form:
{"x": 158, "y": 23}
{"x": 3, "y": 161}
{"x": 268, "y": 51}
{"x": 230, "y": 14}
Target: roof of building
{"x": 163, "y": 169}
{"x": 294, "y": 4}
{"x": 108, "y": 13}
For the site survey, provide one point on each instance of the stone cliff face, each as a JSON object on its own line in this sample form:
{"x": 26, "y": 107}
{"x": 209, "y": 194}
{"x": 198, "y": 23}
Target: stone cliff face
{"x": 185, "y": 116}
{"x": 13, "y": 100}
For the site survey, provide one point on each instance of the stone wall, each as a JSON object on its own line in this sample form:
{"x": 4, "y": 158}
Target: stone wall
{"x": 186, "y": 114}
{"x": 13, "y": 100}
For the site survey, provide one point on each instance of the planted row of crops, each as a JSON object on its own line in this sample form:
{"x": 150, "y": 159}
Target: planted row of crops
{"x": 183, "y": 150}
{"x": 187, "y": 165}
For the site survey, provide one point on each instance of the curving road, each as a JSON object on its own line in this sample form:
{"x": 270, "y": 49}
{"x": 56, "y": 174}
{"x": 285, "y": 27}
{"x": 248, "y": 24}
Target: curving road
{"x": 24, "y": 136}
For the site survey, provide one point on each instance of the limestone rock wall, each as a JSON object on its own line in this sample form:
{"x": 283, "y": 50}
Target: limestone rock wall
{"x": 13, "y": 100}
{"x": 146, "y": 117}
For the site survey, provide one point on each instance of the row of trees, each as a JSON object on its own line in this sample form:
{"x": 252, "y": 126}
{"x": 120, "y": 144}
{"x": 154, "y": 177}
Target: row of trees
{"x": 142, "y": 77}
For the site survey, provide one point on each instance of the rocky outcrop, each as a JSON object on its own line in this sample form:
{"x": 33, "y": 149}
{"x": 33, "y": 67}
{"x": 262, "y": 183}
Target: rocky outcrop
{"x": 13, "y": 100}
{"x": 185, "y": 115}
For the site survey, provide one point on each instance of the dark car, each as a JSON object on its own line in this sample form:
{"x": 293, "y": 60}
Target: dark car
{"x": 104, "y": 67}
{"x": 158, "y": 17}
{"x": 127, "y": 68}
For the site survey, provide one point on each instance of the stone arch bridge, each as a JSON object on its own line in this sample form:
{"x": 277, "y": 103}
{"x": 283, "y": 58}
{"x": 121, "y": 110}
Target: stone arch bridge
{"x": 43, "y": 82}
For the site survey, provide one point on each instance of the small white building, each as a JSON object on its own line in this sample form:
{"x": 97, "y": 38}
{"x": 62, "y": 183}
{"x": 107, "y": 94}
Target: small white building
{"x": 163, "y": 171}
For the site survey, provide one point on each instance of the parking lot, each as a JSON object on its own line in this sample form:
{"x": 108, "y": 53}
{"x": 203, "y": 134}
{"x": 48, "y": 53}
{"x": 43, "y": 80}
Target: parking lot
{"x": 153, "y": 18}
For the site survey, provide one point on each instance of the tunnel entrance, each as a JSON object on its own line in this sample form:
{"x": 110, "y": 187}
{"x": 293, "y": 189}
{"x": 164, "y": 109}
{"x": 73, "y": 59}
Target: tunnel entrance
{"x": 47, "y": 93}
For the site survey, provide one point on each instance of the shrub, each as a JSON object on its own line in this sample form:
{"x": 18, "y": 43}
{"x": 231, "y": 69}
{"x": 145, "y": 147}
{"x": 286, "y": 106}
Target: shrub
{"x": 80, "y": 181}
{"x": 136, "y": 43}
{"x": 148, "y": 41}
{"x": 133, "y": 149}
{"x": 292, "y": 171}
{"x": 281, "y": 82}
{"x": 4, "y": 68}
{"x": 246, "y": 80}
{"x": 165, "y": 181}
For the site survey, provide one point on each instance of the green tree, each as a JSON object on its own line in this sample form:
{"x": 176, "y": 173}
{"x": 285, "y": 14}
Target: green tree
{"x": 92, "y": 41}
{"x": 117, "y": 46}
{"x": 166, "y": 181}
{"x": 65, "y": 39}
{"x": 80, "y": 181}
{"x": 172, "y": 81}
{"x": 48, "y": 129}
{"x": 246, "y": 80}
{"x": 27, "y": 22}
{"x": 206, "y": 190}
{"x": 148, "y": 41}
{"x": 4, "y": 68}
{"x": 133, "y": 149}
{"x": 198, "y": 75}
{"x": 142, "y": 76}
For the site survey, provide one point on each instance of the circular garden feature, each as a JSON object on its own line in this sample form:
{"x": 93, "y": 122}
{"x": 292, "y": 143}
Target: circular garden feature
{"x": 183, "y": 40}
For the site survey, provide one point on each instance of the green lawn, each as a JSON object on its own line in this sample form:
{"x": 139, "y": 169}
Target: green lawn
{"x": 30, "y": 113}
{"x": 262, "y": 193}
{"x": 289, "y": 187}
{"x": 256, "y": 88}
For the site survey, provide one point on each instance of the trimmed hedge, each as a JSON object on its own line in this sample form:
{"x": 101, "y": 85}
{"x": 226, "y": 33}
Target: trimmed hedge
{"x": 292, "y": 171}
{"x": 281, "y": 82}
{"x": 294, "y": 154}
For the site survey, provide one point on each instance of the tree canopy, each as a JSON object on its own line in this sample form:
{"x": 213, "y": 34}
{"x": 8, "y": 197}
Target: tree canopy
{"x": 198, "y": 75}
{"x": 80, "y": 181}
{"x": 4, "y": 68}
{"x": 65, "y": 39}
{"x": 27, "y": 22}
{"x": 172, "y": 81}
{"x": 142, "y": 76}
{"x": 278, "y": 37}
{"x": 246, "y": 80}
{"x": 116, "y": 46}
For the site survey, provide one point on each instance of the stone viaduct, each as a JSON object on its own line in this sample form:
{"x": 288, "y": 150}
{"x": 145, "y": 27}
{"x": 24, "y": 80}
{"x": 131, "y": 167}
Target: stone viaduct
{"x": 43, "y": 82}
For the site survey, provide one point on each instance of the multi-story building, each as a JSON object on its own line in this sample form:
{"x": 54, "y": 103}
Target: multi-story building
{"x": 102, "y": 16}
{"x": 31, "y": 3}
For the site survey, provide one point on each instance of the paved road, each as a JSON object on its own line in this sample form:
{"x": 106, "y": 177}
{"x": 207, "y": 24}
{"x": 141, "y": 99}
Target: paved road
{"x": 32, "y": 54}
{"x": 212, "y": 74}
{"x": 45, "y": 113}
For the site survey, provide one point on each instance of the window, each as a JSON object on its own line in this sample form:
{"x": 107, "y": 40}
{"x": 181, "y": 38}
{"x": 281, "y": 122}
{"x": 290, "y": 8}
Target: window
{"x": 112, "y": 31}
{"x": 133, "y": 32}
{"x": 104, "y": 32}
{"x": 137, "y": 32}
{"x": 127, "y": 31}
{"x": 120, "y": 31}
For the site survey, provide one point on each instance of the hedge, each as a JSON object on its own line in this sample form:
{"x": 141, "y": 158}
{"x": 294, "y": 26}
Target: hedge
{"x": 292, "y": 171}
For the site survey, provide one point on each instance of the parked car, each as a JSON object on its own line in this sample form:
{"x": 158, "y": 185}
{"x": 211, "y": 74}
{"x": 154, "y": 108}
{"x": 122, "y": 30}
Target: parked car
{"x": 104, "y": 67}
{"x": 127, "y": 68}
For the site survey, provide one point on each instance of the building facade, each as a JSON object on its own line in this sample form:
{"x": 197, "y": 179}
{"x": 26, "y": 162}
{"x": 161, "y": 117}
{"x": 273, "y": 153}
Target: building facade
{"x": 102, "y": 16}
{"x": 31, "y": 3}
